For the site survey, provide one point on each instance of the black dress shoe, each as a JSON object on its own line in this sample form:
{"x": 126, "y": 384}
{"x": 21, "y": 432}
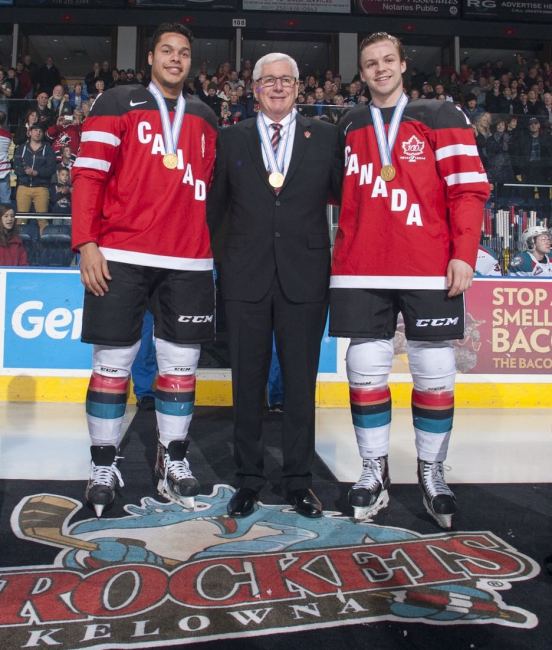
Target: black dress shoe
{"x": 242, "y": 503}
{"x": 305, "y": 502}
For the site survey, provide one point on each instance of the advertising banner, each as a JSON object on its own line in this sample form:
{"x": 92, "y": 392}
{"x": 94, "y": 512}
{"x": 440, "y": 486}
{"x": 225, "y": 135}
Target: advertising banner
{"x": 76, "y": 4}
{"x": 410, "y": 8}
{"x": 524, "y": 10}
{"x": 42, "y": 321}
{"x": 187, "y": 4}
{"x": 508, "y": 328}
{"x": 303, "y": 6}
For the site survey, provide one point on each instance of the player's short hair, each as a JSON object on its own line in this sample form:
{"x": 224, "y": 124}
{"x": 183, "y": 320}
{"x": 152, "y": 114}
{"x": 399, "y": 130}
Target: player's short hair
{"x": 272, "y": 58}
{"x": 170, "y": 28}
{"x": 376, "y": 37}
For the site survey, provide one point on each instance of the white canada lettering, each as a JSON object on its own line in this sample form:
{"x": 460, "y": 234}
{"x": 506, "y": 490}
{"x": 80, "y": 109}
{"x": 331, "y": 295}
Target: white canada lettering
{"x": 398, "y": 200}
{"x": 366, "y": 174}
{"x": 414, "y": 216}
{"x": 158, "y": 146}
{"x": 399, "y": 196}
{"x": 144, "y": 132}
{"x": 352, "y": 167}
{"x": 380, "y": 188}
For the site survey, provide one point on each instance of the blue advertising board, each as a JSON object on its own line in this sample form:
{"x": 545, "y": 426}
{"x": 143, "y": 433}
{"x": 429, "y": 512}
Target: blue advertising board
{"x": 43, "y": 319}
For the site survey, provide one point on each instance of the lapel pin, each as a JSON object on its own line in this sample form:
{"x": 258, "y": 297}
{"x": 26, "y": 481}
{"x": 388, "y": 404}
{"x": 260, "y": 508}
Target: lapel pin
{"x": 307, "y": 134}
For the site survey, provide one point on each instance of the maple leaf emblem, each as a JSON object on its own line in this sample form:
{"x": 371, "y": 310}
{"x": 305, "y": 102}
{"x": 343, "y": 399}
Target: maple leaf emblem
{"x": 413, "y": 147}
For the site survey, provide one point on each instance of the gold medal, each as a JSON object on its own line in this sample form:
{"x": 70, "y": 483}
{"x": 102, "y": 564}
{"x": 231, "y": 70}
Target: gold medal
{"x": 388, "y": 172}
{"x": 170, "y": 160}
{"x": 276, "y": 180}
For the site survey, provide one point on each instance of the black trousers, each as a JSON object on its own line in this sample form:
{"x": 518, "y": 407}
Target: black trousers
{"x": 298, "y": 329}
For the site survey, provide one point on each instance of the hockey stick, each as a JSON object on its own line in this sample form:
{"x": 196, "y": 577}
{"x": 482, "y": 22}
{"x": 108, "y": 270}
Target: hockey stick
{"x": 42, "y": 518}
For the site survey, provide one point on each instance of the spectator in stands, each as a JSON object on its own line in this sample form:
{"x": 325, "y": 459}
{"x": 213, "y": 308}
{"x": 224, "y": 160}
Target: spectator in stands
{"x": 310, "y": 84}
{"x": 532, "y": 155}
{"x": 504, "y": 104}
{"x": 105, "y": 75}
{"x": 78, "y": 95}
{"x": 5, "y": 92}
{"x": 545, "y": 114}
{"x": 482, "y": 134}
{"x": 48, "y": 76}
{"x": 414, "y": 94}
{"x": 499, "y": 166}
{"x": 23, "y": 131}
{"x": 338, "y": 109}
{"x": 67, "y": 157}
{"x": 471, "y": 109}
{"x": 236, "y": 108}
{"x": 65, "y": 132}
{"x": 45, "y": 115}
{"x": 35, "y": 164}
{"x": 492, "y": 97}
{"x": 12, "y": 252}
{"x": 522, "y": 109}
{"x": 5, "y": 165}
{"x": 32, "y": 69}
{"x": 534, "y": 103}
{"x": 320, "y": 104}
{"x": 224, "y": 94}
{"x": 60, "y": 192}
{"x": 59, "y": 102}
{"x": 85, "y": 108}
{"x": 225, "y": 117}
{"x": 24, "y": 82}
{"x": 91, "y": 78}
{"x": 99, "y": 87}
{"x": 212, "y": 99}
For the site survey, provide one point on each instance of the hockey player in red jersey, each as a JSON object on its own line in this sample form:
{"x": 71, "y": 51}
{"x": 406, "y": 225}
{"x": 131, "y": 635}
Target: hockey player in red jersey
{"x": 139, "y": 223}
{"x": 413, "y": 181}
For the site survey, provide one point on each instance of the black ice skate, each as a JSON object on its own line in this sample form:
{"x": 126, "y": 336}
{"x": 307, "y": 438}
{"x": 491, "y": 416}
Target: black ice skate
{"x": 438, "y": 498}
{"x": 176, "y": 481}
{"x": 369, "y": 494}
{"x": 104, "y": 475}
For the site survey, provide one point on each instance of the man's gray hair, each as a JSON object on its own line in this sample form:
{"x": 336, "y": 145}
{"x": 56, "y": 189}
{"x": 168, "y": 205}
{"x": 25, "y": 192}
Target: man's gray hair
{"x": 272, "y": 58}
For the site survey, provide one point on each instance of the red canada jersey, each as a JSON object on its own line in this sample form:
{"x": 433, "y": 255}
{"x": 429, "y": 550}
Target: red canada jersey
{"x": 401, "y": 234}
{"x": 126, "y": 200}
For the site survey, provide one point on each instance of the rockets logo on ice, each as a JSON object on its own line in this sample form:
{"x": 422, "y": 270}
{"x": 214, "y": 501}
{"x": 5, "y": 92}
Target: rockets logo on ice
{"x": 162, "y": 574}
{"x": 413, "y": 149}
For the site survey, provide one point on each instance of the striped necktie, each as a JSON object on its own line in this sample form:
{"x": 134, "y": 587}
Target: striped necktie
{"x": 276, "y": 136}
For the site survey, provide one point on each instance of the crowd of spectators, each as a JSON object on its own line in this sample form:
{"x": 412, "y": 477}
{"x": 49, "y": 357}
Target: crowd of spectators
{"x": 509, "y": 106}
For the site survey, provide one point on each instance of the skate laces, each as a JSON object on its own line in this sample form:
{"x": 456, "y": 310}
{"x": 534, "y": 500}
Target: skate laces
{"x": 372, "y": 475}
{"x": 433, "y": 476}
{"x": 178, "y": 470}
{"x": 107, "y": 474}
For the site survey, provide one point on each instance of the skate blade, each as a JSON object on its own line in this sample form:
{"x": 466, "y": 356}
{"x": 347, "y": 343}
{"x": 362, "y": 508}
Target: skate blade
{"x": 186, "y": 502}
{"x": 361, "y": 513}
{"x": 444, "y": 521}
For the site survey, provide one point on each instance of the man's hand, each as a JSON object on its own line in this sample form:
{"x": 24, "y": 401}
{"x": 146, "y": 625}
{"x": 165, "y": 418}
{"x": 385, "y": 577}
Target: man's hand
{"x": 93, "y": 269}
{"x": 459, "y": 277}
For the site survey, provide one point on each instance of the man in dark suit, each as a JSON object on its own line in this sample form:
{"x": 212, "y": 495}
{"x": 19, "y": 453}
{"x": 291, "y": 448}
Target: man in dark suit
{"x": 273, "y": 177}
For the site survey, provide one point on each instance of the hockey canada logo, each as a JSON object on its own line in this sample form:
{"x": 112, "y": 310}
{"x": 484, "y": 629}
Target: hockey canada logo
{"x": 162, "y": 575}
{"x": 413, "y": 149}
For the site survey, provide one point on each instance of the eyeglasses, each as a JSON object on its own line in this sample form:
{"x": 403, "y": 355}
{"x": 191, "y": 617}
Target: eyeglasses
{"x": 267, "y": 82}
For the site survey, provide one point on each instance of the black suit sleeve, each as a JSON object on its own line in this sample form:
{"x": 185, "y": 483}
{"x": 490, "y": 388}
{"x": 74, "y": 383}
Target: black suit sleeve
{"x": 218, "y": 198}
{"x": 337, "y": 169}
